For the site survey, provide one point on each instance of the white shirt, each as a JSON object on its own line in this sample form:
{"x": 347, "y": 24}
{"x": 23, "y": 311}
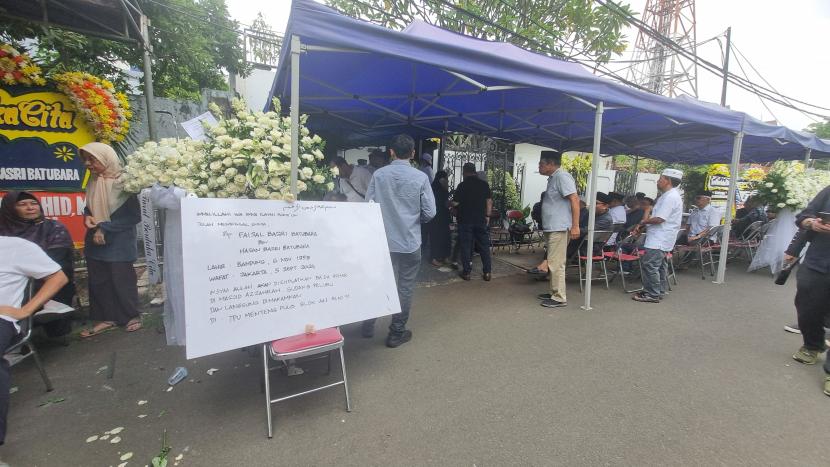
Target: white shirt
{"x": 702, "y": 219}
{"x": 669, "y": 207}
{"x": 22, "y": 260}
{"x": 355, "y": 187}
{"x": 618, "y": 214}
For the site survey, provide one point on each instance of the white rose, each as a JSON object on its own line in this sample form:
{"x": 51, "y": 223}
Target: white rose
{"x": 240, "y": 180}
{"x": 230, "y": 172}
{"x": 330, "y": 186}
{"x": 261, "y": 193}
{"x": 335, "y": 171}
{"x": 318, "y": 154}
{"x": 165, "y": 180}
{"x": 183, "y": 172}
{"x": 301, "y": 186}
{"x": 781, "y": 205}
{"x": 221, "y": 180}
{"x": 275, "y": 183}
{"x": 288, "y": 196}
{"x": 227, "y": 162}
{"x": 318, "y": 178}
{"x": 307, "y": 157}
{"x": 276, "y": 196}
{"x": 774, "y": 190}
{"x": 221, "y": 194}
{"x": 768, "y": 184}
{"x": 306, "y": 173}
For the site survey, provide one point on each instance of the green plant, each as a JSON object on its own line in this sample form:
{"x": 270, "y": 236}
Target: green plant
{"x": 579, "y": 166}
{"x": 510, "y": 195}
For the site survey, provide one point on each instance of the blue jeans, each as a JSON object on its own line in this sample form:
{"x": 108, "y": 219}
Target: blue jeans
{"x": 474, "y": 233}
{"x": 655, "y": 284}
{"x": 405, "y": 267}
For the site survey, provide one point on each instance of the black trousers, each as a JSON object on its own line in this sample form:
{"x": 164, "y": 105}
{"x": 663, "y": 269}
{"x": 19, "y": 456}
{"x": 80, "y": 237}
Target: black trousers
{"x": 812, "y": 302}
{"x": 113, "y": 293}
{"x": 7, "y": 334}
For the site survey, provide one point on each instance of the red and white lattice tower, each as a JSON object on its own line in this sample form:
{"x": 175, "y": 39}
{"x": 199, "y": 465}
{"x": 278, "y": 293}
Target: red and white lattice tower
{"x": 655, "y": 65}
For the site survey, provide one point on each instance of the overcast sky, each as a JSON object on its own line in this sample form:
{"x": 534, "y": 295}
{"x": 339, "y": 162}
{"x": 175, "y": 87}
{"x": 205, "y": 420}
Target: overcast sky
{"x": 783, "y": 40}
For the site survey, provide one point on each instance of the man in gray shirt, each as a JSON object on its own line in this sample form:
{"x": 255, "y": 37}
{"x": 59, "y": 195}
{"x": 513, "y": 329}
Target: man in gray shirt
{"x": 406, "y": 201}
{"x": 560, "y": 218}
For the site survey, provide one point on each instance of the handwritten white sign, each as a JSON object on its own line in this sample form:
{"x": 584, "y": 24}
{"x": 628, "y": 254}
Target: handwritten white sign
{"x": 256, "y": 270}
{"x": 195, "y": 128}
{"x": 148, "y": 237}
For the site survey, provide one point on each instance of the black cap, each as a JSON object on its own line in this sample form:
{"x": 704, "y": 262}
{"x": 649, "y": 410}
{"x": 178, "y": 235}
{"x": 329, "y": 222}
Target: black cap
{"x": 640, "y": 195}
{"x": 603, "y": 198}
{"x": 615, "y": 195}
{"x": 551, "y": 156}
{"x": 704, "y": 193}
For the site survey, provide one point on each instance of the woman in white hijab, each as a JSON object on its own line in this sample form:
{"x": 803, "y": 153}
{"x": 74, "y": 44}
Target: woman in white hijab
{"x": 110, "y": 244}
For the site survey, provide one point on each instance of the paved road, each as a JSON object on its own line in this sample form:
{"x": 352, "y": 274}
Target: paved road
{"x": 491, "y": 378}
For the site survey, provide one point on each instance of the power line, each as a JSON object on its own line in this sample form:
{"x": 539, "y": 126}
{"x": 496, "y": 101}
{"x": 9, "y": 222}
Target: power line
{"x": 737, "y": 80}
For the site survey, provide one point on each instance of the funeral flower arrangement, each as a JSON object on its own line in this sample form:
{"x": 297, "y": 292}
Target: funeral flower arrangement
{"x": 247, "y": 155}
{"x": 107, "y": 111}
{"x": 790, "y": 185}
{"x": 18, "y": 68}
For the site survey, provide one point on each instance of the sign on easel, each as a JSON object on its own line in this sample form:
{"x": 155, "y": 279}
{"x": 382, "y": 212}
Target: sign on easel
{"x": 258, "y": 270}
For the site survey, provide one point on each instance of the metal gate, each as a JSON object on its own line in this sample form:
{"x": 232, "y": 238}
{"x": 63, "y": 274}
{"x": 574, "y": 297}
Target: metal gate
{"x": 491, "y": 156}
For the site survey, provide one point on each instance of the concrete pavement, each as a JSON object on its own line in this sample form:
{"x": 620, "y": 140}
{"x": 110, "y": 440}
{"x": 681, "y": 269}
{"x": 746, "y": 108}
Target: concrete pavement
{"x": 490, "y": 378}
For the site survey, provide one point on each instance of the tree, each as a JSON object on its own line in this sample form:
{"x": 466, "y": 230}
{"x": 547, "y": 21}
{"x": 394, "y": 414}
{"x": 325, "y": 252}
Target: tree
{"x": 194, "y": 43}
{"x": 822, "y": 130}
{"x": 562, "y": 28}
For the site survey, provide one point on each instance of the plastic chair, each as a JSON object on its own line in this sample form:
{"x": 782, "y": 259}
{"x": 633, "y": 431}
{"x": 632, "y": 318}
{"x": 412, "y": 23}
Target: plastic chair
{"x": 303, "y": 345}
{"x": 24, "y": 338}
{"x": 622, "y": 256}
{"x": 600, "y": 239}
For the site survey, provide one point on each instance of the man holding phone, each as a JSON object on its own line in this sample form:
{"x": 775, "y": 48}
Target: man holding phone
{"x": 812, "y": 298}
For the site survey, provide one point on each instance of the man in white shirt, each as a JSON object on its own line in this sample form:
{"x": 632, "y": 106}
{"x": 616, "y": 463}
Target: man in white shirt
{"x": 617, "y": 208}
{"x": 661, "y": 233}
{"x": 22, "y": 261}
{"x": 354, "y": 180}
{"x": 703, "y": 219}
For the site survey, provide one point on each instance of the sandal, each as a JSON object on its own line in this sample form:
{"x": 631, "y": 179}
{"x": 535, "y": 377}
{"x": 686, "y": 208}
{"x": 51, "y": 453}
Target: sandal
{"x": 104, "y": 326}
{"x": 134, "y": 325}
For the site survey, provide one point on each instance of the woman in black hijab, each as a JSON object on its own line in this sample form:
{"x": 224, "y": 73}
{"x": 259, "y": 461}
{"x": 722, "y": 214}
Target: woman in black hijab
{"x": 21, "y": 215}
{"x": 439, "y": 226}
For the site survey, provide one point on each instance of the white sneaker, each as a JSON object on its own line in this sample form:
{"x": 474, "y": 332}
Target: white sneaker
{"x": 793, "y": 328}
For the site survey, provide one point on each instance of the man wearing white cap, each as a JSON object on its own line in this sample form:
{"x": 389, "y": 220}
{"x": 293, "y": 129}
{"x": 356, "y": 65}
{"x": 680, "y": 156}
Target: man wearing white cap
{"x": 661, "y": 233}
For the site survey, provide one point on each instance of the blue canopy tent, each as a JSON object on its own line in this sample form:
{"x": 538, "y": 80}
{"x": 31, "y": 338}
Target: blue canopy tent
{"x": 362, "y": 82}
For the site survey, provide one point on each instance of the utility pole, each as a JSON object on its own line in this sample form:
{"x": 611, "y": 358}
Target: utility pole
{"x": 726, "y": 66}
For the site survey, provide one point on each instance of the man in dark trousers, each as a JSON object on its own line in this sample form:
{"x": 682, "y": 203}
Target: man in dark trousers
{"x": 812, "y": 298}
{"x": 406, "y": 201}
{"x": 474, "y": 202}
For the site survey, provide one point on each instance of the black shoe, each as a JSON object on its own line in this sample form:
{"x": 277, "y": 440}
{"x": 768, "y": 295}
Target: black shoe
{"x": 550, "y": 303}
{"x": 464, "y": 275}
{"x": 486, "y": 276}
{"x": 367, "y": 331}
{"x": 641, "y": 297}
{"x": 544, "y": 296}
{"x": 397, "y": 339}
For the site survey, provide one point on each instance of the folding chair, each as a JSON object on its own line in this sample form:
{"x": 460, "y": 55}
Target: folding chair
{"x": 600, "y": 239}
{"x": 24, "y": 338}
{"x": 620, "y": 255}
{"x": 303, "y": 345}
{"x": 748, "y": 240}
{"x": 705, "y": 249}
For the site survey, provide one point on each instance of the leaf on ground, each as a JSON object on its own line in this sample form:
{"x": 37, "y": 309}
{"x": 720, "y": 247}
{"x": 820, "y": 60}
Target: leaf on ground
{"x": 179, "y": 457}
{"x": 13, "y": 390}
{"x": 142, "y": 415}
{"x": 104, "y": 438}
{"x": 50, "y": 401}
{"x": 211, "y": 371}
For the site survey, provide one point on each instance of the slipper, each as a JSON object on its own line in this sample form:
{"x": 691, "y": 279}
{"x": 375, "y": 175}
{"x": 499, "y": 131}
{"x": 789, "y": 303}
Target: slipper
{"x": 134, "y": 325}
{"x": 107, "y": 326}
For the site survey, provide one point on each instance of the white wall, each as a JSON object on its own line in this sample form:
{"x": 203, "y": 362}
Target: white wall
{"x": 256, "y": 88}
{"x": 534, "y": 184}
{"x": 647, "y": 183}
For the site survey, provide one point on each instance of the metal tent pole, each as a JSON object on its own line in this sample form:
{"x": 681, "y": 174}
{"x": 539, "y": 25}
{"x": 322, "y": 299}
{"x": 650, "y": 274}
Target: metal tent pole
{"x": 592, "y": 201}
{"x": 807, "y": 154}
{"x": 296, "y": 46}
{"x": 148, "y": 77}
{"x": 730, "y": 205}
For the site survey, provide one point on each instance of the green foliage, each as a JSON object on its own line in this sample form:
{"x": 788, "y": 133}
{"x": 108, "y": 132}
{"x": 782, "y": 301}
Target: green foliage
{"x": 579, "y": 166}
{"x": 510, "y": 194}
{"x": 644, "y": 164}
{"x": 190, "y": 51}
{"x": 562, "y": 28}
{"x": 694, "y": 180}
{"x": 821, "y": 129}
